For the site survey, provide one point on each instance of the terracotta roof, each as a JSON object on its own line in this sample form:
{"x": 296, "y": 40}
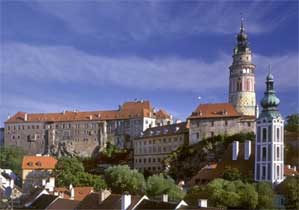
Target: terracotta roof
{"x": 162, "y": 114}
{"x": 126, "y": 111}
{"x": 80, "y": 192}
{"x": 219, "y": 110}
{"x": 64, "y": 204}
{"x": 38, "y": 162}
{"x": 172, "y": 129}
{"x": 290, "y": 171}
{"x": 92, "y": 201}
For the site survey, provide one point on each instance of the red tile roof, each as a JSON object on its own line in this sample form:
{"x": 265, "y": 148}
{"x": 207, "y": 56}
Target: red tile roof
{"x": 126, "y": 111}
{"x": 80, "y": 192}
{"x": 38, "y": 162}
{"x": 218, "y": 110}
{"x": 290, "y": 171}
{"x": 162, "y": 114}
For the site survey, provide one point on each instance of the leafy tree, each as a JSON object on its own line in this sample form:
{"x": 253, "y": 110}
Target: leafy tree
{"x": 292, "y": 124}
{"x": 231, "y": 174}
{"x": 290, "y": 188}
{"x": 265, "y": 195}
{"x": 69, "y": 170}
{"x": 159, "y": 185}
{"x": 232, "y": 194}
{"x": 121, "y": 178}
{"x": 11, "y": 157}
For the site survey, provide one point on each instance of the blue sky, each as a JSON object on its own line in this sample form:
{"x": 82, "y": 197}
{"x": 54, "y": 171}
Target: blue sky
{"x": 93, "y": 55}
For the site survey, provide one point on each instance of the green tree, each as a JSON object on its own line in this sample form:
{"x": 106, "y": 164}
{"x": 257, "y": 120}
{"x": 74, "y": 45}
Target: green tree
{"x": 159, "y": 185}
{"x": 121, "y": 178}
{"x": 11, "y": 157}
{"x": 231, "y": 174}
{"x": 265, "y": 195}
{"x": 292, "y": 124}
{"x": 232, "y": 194}
{"x": 70, "y": 170}
{"x": 290, "y": 188}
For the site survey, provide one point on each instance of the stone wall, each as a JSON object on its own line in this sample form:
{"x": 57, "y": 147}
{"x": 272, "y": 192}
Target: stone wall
{"x": 205, "y": 128}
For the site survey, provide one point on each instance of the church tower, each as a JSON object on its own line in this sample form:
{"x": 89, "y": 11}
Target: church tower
{"x": 269, "y": 145}
{"x": 241, "y": 77}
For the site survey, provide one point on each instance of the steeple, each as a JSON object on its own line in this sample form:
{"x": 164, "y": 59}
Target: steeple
{"x": 270, "y": 101}
{"x": 242, "y": 38}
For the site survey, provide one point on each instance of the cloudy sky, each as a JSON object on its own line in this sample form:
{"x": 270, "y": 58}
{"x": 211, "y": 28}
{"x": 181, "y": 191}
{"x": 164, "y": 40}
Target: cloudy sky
{"x": 93, "y": 55}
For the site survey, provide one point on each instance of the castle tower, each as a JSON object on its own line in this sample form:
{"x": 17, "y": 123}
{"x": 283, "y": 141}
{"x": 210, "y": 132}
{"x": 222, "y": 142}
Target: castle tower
{"x": 269, "y": 145}
{"x": 241, "y": 77}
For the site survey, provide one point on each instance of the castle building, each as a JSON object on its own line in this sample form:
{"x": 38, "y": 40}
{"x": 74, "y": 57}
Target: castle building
{"x": 242, "y": 77}
{"x": 81, "y": 133}
{"x": 269, "y": 156}
{"x": 155, "y": 144}
{"x": 239, "y": 114}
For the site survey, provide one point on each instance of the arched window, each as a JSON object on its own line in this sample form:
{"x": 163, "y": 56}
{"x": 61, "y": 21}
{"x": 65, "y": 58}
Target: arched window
{"x": 264, "y": 137}
{"x": 239, "y": 85}
{"x": 277, "y": 152}
{"x": 248, "y": 85}
{"x": 264, "y": 153}
{"x": 278, "y": 134}
{"x": 277, "y": 171}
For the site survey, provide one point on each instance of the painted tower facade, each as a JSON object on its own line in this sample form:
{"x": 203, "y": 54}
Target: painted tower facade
{"x": 242, "y": 77}
{"x": 269, "y": 146}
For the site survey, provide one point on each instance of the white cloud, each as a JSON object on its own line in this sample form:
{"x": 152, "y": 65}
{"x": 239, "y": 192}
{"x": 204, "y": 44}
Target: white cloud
{"x": 138, "y": 20}
{"x": 69, "y": 64}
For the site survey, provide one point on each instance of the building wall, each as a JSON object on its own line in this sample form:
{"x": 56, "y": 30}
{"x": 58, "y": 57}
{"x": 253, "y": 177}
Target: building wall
{"x": 1, "y": 136}
{"x": 205, "y": 128}
{"x": 32, "y": 178}
{"x": 269, "y": 159}
{"x": 150, "y": 152}
{"x": 59, "y": 138}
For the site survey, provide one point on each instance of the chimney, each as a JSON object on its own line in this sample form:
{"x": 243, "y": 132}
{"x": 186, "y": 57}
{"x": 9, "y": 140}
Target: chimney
{"x": 72, "y": 192}
{"x": 125, "y": 200}
{"x": 90, "y": 117}
{"x": 25, "y": 117}
{"x": 51, "y": 184}
{"x": 103, "y": 195}
{"x": 202, "y": 203}
{"x": 294, "y": 168}
{"x": 165, "y": 198}
{"x": 289, "y": 166}
{"x": 247, "y": 148}
{"x": 44, "y": 182}
{"x": 235, "y": 150}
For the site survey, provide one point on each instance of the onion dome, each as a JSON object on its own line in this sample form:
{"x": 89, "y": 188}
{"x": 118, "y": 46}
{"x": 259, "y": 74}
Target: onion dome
{"x": 270, "y": 101}
{"x": 242, "y": 38}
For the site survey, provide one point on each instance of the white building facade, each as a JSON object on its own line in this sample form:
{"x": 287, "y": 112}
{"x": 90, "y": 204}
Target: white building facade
{"x": 269, "y": 147}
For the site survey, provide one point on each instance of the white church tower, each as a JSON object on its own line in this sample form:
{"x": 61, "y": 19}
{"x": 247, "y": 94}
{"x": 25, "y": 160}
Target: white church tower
{"x": 269, "y": 145}
{"x": 242, "y": 77}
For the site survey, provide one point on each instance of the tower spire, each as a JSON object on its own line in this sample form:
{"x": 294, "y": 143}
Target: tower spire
{"x": 242, "y": 29}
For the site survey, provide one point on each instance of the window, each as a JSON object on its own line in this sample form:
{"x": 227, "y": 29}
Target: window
{"x": 278, "y": 134}
{"x": 197, "y": 135}
{"x": 264, "y": 137}
{"x": 264, "y": 172}
{"x": 212, "y": 123}
{"x": 277, "y": 171}
{"x": 225, "y": 122}
{"x": 277, "y": 153}
{"x": 249, "y": 124}
{"x": 264, "y": 153}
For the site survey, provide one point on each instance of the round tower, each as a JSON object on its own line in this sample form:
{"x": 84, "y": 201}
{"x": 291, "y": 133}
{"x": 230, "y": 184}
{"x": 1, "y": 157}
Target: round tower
{"x": 242, "y": 77}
